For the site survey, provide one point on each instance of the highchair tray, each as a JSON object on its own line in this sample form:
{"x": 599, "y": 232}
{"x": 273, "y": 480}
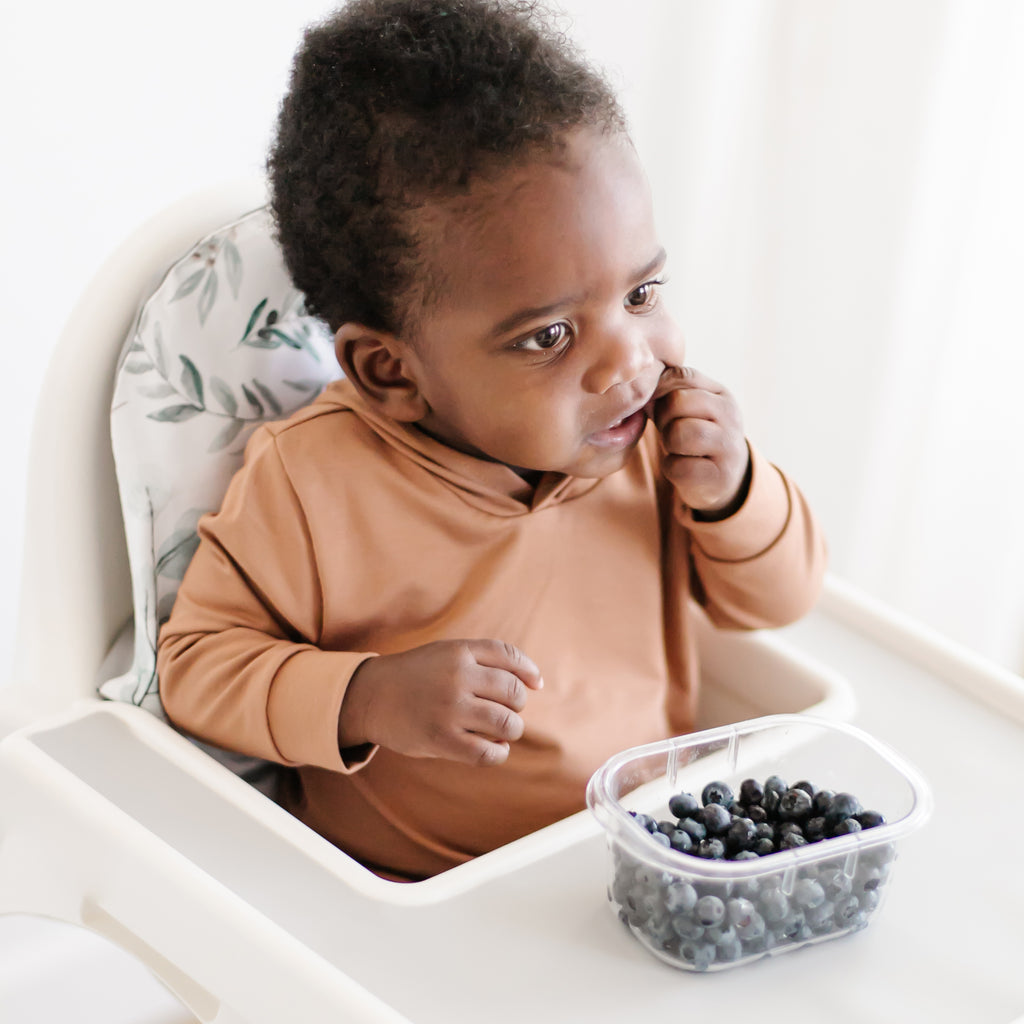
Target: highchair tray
{"x": 249, "y": 916}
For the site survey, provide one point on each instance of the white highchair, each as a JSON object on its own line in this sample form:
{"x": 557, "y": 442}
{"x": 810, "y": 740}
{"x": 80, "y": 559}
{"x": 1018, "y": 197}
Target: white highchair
{"x": 187, "y": 338}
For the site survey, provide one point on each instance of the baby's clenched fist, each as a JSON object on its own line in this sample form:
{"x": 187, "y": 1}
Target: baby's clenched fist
{"x": 706, "y": 454}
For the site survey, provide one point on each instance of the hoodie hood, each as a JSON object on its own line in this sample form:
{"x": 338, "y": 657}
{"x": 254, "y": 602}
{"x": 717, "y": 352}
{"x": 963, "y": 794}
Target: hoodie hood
{"x": 489, "y": 486}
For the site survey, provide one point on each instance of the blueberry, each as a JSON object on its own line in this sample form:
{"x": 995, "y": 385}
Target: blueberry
{"x": 836, "y": 883}
{"x": 680, "y": 897}
{"x": 694, "y": 829}
{"x": 717, "y": 793}
{"x": 794, "y": 805}
{"x": 822, "y": 802}
{"x": 808, "y": 893}
{"x": 710, "y": 910}
{"x": 711, "y": 849}
{"x": 847, "y": 910}
{"x": 681, "y": 841}
{"x": 668, "y": 827}
{"x": 775, "y": 784}
{"x": 660, "y": 931}
{"x": 716, "y": 819}
{"x": 752, "y": 928}
{"x": 740, "y": 911}
{"x": 795, "y": 928}
{"x": 820, "y": 917}
{"x": 845, "y": 827}
{"x": 639, "y": 907}
{"x": 788, "y": 828}
{"x": 762, "y": 847}
{"x": 720, "y": 934}
{"x": 870, "y": 819}
{"x": 843, "y": 805}
{"x": 699, "y": 955}
{"x": 751, "y": 792}
{"x": 884, "y": 855}
{"x": 747, "y": 888}
{"x": 791, "y": 841}
{"x": 868, "y": 900}
{"x": 806, "y": 786}
{"x": 730, "y": 950}
{"x": 645, "y": 821}
{"x": 745, "y": 855}
{"x": 741, "y": 834}
{"x": 774, "y": 905}
{"x": 765, "y": 830}
{"x": 756, "y": 813}
{"x": 682, "y": 805}
{"x": 814, "y": 829}
{"x": 867, "y": 878}
{"x": 651, "y": 878}
{"x": 714, "y": 888}
{"x": 686, "y": 927}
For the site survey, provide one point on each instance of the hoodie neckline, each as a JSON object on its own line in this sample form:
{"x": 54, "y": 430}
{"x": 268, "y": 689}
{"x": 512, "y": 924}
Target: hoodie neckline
{"x": 489, "y": 486}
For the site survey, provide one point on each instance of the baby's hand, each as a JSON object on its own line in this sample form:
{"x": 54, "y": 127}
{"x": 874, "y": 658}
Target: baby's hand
{"x": 706, "y": 455}
{"x": 456, "y": 699}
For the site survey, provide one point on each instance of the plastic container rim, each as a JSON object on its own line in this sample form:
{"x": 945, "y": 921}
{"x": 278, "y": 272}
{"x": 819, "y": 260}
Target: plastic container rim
{"x": 616, "y": 820}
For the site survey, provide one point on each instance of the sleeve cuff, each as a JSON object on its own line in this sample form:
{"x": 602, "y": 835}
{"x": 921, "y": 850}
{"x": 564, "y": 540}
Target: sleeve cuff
{"x": 303, "y": 708}
{"x": 755, "y": 526}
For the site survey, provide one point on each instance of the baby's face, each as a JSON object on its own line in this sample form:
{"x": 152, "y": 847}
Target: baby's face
{"x": 549, "y": 334}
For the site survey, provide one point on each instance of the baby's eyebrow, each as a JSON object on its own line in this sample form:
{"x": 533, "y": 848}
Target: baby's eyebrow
{"x": 523, "y": 316}
{"x": 651, "y": 267}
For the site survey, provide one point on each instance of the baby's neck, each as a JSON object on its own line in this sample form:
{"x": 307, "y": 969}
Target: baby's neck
{"x": 531, "y": 476}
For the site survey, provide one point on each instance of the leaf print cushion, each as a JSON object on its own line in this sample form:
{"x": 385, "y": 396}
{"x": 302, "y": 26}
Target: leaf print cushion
{"x": 222, "y": 344}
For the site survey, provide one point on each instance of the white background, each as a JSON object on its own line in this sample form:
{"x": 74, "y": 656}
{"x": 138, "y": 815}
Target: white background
{"x": 837, "y": 182}
{"x": 839, "y": 186}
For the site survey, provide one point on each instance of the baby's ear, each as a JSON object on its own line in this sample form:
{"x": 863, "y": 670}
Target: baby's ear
{"x": 373, "y": 361}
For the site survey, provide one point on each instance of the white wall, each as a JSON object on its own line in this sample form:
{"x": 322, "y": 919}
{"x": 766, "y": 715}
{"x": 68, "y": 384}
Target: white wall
{"x": 820, "y": 168}
{"x": 111, "y": 110}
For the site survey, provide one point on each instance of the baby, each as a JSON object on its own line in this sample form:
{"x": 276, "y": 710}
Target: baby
{"x": 451, "y": 587}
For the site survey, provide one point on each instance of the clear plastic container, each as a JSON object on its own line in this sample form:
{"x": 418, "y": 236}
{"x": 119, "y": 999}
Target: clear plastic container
{"x": 707, "y": 915}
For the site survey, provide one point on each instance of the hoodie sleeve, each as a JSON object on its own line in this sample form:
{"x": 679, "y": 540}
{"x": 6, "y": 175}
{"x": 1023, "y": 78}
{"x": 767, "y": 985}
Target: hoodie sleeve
{"x": 763, "y": 565}
{"x": 238, "y": 661}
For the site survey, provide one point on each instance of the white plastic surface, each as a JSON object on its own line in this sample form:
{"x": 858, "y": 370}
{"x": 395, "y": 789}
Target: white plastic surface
{"x": 209, "y": 884}
{"x": 110, "y": 821}
{"x": 75, "y": 591}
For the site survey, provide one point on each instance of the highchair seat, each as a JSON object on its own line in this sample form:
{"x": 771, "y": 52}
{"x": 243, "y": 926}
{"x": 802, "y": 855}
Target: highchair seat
{"x": 111, "y": 820}
{"x": 221, "y": 345}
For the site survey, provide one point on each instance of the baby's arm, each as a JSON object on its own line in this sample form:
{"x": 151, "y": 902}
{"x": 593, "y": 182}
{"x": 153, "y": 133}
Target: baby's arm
{"x": 242, "y": 666}
{"x": 751, "y": 546}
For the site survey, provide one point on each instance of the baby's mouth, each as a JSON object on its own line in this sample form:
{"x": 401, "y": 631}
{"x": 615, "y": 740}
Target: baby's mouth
{"x": 623, "y": 432}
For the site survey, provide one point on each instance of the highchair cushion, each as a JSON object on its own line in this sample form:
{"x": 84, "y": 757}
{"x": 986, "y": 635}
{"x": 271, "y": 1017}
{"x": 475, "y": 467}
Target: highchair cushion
{"x": 222, "y": 344}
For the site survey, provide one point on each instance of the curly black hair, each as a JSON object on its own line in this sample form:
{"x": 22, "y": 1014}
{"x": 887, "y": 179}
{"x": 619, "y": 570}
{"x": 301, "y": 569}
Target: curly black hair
{"x": 394, "y": 103}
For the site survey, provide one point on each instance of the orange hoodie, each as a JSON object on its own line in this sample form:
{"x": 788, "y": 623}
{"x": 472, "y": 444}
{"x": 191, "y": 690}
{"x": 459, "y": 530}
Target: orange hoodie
{"x": 347, "y": 535}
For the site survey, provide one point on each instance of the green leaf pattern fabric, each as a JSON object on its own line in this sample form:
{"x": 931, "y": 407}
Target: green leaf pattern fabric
{"x": 223, "y": 343}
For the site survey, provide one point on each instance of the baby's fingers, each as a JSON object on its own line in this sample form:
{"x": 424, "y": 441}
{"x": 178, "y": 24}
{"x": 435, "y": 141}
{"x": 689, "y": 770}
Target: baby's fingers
{"x": 695, "y": 437}
{"x": 499, "y": 655}
{"x": 680, "y": 378}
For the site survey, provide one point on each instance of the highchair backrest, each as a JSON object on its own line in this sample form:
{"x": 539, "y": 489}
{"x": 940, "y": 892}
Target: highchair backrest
{"x": 190, "y": 336}
{"x": 223, "y": 344}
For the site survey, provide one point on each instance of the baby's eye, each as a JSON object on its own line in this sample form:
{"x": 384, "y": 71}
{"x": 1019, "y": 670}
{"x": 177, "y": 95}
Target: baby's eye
{"x": 644, "y": 295}
{"x": 546, "y": 339}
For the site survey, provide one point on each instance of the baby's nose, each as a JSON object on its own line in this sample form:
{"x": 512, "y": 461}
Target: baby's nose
{"x": 618, "y": 357}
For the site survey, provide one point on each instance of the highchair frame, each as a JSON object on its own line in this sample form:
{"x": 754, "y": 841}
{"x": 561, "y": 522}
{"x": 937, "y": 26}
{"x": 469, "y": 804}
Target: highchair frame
{"x": 149, "y": 865}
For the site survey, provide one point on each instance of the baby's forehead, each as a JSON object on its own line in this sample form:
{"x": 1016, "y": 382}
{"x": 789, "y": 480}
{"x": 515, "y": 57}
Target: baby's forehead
{"x": 576, "y": 219}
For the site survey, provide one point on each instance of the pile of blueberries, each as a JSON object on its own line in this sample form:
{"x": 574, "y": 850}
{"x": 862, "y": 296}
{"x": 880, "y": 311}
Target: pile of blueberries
{"x": 701, "y": 923}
